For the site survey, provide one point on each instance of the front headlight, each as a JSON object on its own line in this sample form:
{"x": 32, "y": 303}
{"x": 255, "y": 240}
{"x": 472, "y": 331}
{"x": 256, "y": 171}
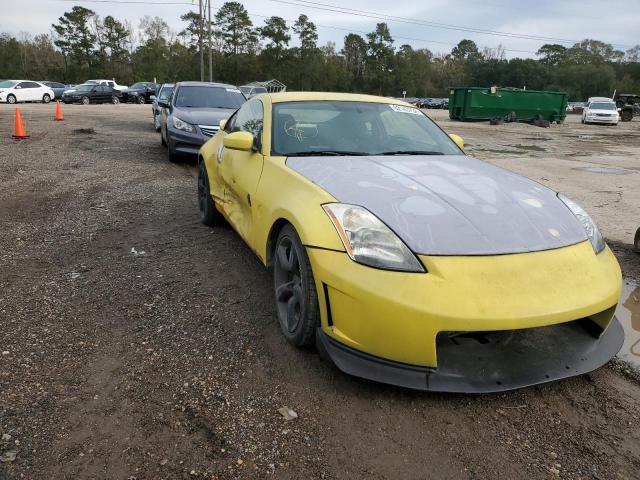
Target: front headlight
{"x": 597, "y": 242}
{"x": 369, "y": 241}
{"x": 182, "y": 125}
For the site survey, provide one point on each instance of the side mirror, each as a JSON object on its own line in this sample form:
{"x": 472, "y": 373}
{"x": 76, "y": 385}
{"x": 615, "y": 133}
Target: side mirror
{"x": 152, "y": 98}
{"x": 18, "y": 86}
{"x": 238, "y": 141}
{"x": 163, "y": 103}
{"x": 223, "y": 123}
{"x": 457, "y": 139}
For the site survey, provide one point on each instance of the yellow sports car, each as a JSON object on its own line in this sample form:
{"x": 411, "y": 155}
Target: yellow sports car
{"x": 404, "y": 260}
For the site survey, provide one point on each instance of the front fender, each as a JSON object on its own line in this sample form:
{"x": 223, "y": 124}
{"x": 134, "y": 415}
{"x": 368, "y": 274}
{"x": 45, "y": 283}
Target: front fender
{"x": 286, "y": 196}
{"x": 209, "y": 154}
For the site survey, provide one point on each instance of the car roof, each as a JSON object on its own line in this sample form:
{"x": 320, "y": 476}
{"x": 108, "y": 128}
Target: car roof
{"x": 205, "y": 84}
{"x": 330, "y": 96}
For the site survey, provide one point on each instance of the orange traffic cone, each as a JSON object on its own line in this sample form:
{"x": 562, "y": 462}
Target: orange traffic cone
{"x": 20, "y": 132}
{"x": 59, "y": 116}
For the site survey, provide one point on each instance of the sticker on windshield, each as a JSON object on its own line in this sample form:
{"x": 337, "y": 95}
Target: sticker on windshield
{"x": 234, "y": 90}
{"x": 403, "y": 109}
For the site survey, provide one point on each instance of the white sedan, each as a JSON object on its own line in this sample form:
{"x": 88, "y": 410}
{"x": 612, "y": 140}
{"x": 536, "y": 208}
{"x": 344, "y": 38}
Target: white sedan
{"x": 600, "y": 110}
{"x": 12, "y": 91}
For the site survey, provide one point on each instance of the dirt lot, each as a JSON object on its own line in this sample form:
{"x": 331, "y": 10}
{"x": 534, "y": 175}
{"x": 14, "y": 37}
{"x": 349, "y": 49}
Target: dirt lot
{"x": 137, "y": 344}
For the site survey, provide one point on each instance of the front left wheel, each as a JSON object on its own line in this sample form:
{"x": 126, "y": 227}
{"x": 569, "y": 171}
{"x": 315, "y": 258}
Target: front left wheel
{"x": 208, "y": 213}
{"x": 140, "y": 100}
{"x": 46, "y": 98}
{"x": 295, "y": 289}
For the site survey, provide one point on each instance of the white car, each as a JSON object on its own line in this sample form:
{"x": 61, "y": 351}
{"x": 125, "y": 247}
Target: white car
{"x": 112, "y": 83}
{"x": 12, "y": 91}
{"x": 600, "y": 110}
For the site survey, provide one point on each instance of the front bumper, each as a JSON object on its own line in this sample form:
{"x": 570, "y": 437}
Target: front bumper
{"x": 400, "y": 317}
{"x": 186, "y": 142}
{"x": 499, "y": 361}
{"x": 607, "y": 120}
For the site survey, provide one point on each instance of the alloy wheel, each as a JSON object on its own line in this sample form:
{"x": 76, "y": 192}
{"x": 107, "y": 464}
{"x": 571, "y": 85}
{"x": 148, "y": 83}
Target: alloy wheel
{"x": 288, "y": 285}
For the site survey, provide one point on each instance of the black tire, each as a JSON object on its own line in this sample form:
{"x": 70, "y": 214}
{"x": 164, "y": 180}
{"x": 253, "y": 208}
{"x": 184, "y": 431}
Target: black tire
{"x": 172, "y": 156}
{"x": 115, "y": 100}
{"x": 636, "y": 242}
{"x": 209, "y": 215}
{"x": 11, "y": 99}
{"x": 626, "y": 115}
{"x": 163, "y": 140}
{"x": 46, "y": 98}
{"x": 140, "y": 100}
{"x": 295, "y": 290}
{"x": 85, "y": 100}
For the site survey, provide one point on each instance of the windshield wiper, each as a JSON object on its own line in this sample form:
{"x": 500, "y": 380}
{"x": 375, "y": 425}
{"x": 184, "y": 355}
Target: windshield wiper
{"x": 319, "y": 153}
{"x": 410, "y": 152}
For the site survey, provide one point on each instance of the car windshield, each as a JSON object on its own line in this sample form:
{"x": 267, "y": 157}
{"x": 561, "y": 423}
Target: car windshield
{"x": 84, "y": 88}
{"x": 209, "y": 97}
{"x": 7, "y": 84}
{"x": 138, "y": 85}
{"x": 245, "y": 90}
{"x": 91, "y": 82}
{"x": 257, "y": 90}
{"x": 356, "y": 128}
{"x": 603, "y": 106}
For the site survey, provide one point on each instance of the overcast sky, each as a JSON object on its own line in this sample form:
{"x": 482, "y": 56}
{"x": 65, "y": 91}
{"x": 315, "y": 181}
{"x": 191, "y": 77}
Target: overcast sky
{"x": 613, "y": 22}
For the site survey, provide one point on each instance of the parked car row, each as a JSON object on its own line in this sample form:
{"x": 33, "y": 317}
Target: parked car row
{"x": 91, "y": 91}
{"x": 432, "y": 103}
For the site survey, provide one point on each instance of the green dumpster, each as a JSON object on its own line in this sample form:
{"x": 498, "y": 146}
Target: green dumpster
{"x": 477, "y": 103}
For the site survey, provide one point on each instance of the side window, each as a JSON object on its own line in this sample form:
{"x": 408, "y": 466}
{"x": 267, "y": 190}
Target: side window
{"x": 231, "y": 122}
{"x": 165, "y": 93}
{"x": 23, "y": 85}
{"x": 110, "y": 84}
{"x": 249, "y": 118}
{"x": 33, "y": 85}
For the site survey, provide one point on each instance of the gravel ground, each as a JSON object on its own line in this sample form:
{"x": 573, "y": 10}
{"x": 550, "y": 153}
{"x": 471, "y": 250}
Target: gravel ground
{"x": 137, "y": 344}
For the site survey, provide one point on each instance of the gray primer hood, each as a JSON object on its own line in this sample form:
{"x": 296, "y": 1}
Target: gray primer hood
{"x": 448, "y": 204}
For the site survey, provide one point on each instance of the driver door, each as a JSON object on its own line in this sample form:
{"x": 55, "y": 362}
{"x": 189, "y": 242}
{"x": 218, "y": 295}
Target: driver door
{"x": 240, "y": 171}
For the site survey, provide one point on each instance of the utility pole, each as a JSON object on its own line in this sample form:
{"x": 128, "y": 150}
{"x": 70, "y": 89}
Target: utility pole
{"x": 210, "y": 48}
{"x": 200, "y": 41}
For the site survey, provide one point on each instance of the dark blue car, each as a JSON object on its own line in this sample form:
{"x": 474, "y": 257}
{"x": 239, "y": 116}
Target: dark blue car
{"x": 58, "y": 88}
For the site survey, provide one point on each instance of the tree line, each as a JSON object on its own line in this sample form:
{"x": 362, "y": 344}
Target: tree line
{"x": 83, "y": 45}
